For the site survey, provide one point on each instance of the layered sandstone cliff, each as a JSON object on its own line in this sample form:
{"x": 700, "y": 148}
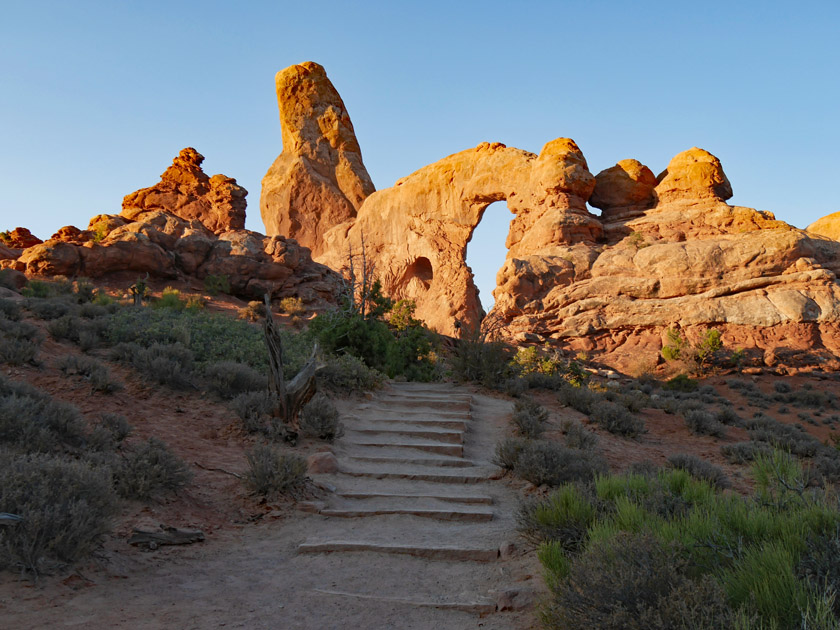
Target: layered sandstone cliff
{"x": 319, "y": 180}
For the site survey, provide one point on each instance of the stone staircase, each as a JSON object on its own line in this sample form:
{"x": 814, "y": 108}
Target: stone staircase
{"x": 412, "y": 483}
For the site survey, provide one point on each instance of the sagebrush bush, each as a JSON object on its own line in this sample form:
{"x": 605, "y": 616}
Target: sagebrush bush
{"x": 65, "y": 327}
{"x": 255, "y": 410}
{"x": 700, "y": 469}
{"x": 108, "y": 432}
{"x": 215, "y": 284}
{"x": 34, "y": 422}
{"x": 96, "y": 372}
{"x": 319, "y": 419}
{"x": 579, "y": 398}
{"x": 167, "y": 364}
{"x": 51, "y": 308}
{"x": 229, "y": 379}
{"x": 575, "y": 435}
{"x": 148, "y": 469}
{"x": 15, "y": 351}
{"x": 66, "y": 508}
{"x": 787, "y": 437}
{"x": 507, "y": 452}
{"x": 744, "y": 452}
{"x": 271, "y": 473}
{"x": 542, "y": 462}
{"x": 481, "y": 361}
{"x": 346, "y": 374}
{"x": 10, "y": 309}
{"x": 704, "y": 423}
{"x": 616, "y": 419}
{"x": 529, "y": 418}
{"x": 58, "y": 286}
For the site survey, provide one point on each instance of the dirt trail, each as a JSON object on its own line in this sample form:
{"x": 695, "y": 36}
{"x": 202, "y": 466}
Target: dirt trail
{"x": 408, "y": 539}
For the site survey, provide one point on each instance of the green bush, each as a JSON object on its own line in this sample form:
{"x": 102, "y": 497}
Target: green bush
{"x": 229, "y": 379}
{"x": 700, "y": 469}
{"x": 51, "y": 308}
{"x": 66, "y": 509}
{"x": 575, "y": 435}
{"x": 579, "y": 398}
{"x": 507, "y": 452}
{"x": 616, "y": 419}
{"x": 319, "y": 419}
{"x": 744, "y": 452}
{"x": 215, "y": 284}
{"x": 477, "y": 360}
{"x": 14, "y": 351}
{"x": 10, "y": 310}
{"x": 271, "y": 473}
{"x": 94, "y": 371}
{"x": 563, "y": 517}
{"x": 149, "y": 469}
{"x": 346, "y": 374}
{"x": 167, "y": 364}
{"x": 46, "y": 289}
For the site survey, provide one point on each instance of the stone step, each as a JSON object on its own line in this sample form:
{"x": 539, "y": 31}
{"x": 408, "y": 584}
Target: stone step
{"x": 479, "y": 605}
{"x": 416, "y": 473}
{"x": 465, "y": 498}
{"x": 428, "y": 405}
{"x": 423, "y": 397}
{"x": 474, "y": 515}
{"x": 456, "y": 424}
{"x": 434, "y": 552}
{"x": 410, "y": 430}
{"x": 406, "y": 443}
{"x": 446, "y": 462}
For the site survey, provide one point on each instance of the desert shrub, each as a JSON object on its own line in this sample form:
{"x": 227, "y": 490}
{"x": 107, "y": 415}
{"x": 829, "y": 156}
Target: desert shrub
{"x": 529, "y": 418}
{"x": 616, "y": 419}
{"x": 728, "y": 416}
{"x": 215, "y": 284}
{"x": 148, "y": 469}
{"x": 575, "y": 435}
{"x": 319, "y": 419}
{"x": 700, "y": 469}
{"x": 51, "y": 308}
{"x": 292, "y": 306}
{"x": 635, "y": 582}
{"x": 531, "y": 360}
{"x": 170, "y": 298}
{"x": 93, "y": 311}
{"x": 109, "y": 431}
{"x": 480, "y": 360}
{"x": 564, "y": 517}
{"x": 254, "y": 312}
{"x": 271, "y": 473}
{"x": 254, "y": 409}
{"x": 704, "y": 423}
{"x": 681, "y": 383}
{"x": 167, "y": 364}
{"x": 33, "y": 422}
{"x": 580, "y": 398}
{"x": 744, "y": 452}
{"x": 229, "y": 379}
{"x": 818, "y": 563}
{"x": 14, "y": 351}
{"x": 65, "y": 327}
{"x": 10, "y": 309}
{"x": 18, "y": 330}
{"x": 787, "y": 437}
{"x": 66, "y": 508}
{"x": 782, "y": 387}
{"x": 346, "y": 373}
{"x": 507, "y": 452}
{"x": 47, "y": 289}
{"x": 515, "y": 386}
{"x": 542, "y": 462}
{"x": 89, "y": 368}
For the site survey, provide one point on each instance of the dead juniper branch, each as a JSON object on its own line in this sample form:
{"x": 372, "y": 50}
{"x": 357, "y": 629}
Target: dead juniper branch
{"x": 166, "y": 536}
{"x": 289, "y": 398}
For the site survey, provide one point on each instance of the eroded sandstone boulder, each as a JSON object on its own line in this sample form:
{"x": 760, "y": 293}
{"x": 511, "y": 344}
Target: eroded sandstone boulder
{"x": 319, "y": 180}
{"x": 185, "y": 191}
{"x": 828, "y": 226}
{"x": 623, "y": 190}
{"x": 19, "y": 238}
{"x": 693, "y": 174}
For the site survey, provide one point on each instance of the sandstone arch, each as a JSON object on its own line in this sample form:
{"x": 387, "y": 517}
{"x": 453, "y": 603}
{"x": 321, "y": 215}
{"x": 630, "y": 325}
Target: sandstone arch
{"x": 432, "y": 213}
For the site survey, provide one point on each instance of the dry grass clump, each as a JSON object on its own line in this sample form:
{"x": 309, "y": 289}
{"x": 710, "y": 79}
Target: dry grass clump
{"x": 254, "y": 312}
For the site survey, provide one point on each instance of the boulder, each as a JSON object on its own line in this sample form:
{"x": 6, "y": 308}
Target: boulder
{"x": 692, "y": 175}
{"x": 828, "y": 226}
{"x": 185, "y": 191}
{"x": 319, "y": 180}
{"x": 623, "y": 190}
{"x": 19, "y": 238}
{"x": 322, "y": 464}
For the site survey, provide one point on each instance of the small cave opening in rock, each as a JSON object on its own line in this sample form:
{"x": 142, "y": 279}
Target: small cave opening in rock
{"x": 417, "y": 278}
{"x": 486, "y": 250}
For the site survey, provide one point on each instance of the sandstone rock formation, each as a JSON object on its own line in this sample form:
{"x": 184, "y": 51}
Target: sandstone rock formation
{"x": 179, "y": 243}
{"x": 828, "y": 226}
{"x": 19, "y": 238}
{"x": 319, "y": 180}
{"x": 187, "y": 192}
{"x": 623, "y": 190}
{"x": 416, "y": 233}
{"x": 692, "y": 175}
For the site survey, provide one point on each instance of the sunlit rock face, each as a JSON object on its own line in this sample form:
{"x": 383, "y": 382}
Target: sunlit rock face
{"x": 319, "y": 180}
{"x": 187, "y": 192}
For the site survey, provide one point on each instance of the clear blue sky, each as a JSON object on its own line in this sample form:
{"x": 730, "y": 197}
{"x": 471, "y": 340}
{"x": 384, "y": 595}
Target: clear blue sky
{"x": 96, "y": 98}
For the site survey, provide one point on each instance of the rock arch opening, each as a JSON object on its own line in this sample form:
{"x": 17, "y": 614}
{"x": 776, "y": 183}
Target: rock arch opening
{"x": 486, "y": 250}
